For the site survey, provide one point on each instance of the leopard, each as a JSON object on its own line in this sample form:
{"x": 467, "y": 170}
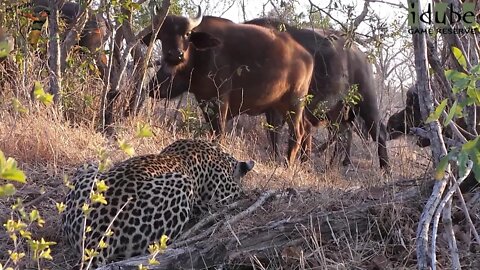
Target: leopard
{"x": 147, "y": 197}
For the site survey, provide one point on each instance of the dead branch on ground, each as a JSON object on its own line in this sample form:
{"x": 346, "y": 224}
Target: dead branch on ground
{"x": 239, "y": 246}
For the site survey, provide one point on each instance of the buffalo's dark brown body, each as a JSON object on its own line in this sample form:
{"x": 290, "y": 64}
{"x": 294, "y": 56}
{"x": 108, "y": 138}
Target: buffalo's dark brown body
{"x": 402, "y": 122}
{"x": 238, "y": 68}
{"x": 337, "y": 69}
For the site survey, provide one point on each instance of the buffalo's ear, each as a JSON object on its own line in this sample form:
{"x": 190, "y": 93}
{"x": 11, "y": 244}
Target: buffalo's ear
{"x": 203, "y": 41}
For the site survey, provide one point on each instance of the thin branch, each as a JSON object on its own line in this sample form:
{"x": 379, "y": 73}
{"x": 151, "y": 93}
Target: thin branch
{"x": 194, "y": 229}
{"x": 261, "y": 200}
{"x": 450, "y": 235}
{"x": 344, "y": 27}
{"x": 399, "y": 5}
{"x": 359, "y": 19}
{"x": 227, "y": 9}
{"x": 446, "y": 199}
{"x": 467, "y": 215}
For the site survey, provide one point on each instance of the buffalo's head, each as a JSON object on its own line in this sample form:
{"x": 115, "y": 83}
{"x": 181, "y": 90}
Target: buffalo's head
{"x": 403, "y": 121}
{"x": 180, "y": 41}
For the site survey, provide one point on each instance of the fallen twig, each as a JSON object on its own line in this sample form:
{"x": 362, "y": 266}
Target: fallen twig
{"x": 208, "y": 219}
{"x": 234, "y": 219}
{"x": 262, "y": 241}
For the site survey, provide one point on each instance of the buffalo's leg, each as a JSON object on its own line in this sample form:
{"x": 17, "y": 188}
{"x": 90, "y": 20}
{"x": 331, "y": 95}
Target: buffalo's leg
{"x": 348, "y": 134}
{"x": 295, "y": 125}
{"x": 275, "y": 122}
{"x": 343, "y": 143}
{"x": 102, "y": 64}
{"x": 212, "y": 114}
{"x": 209, "y": 114}
{"x": 330, "y": 140}
{"x": 306, "y": 141}
{"x": 371, "y": 115}
{"x": 220, "y": 118}
{"x": 335, "y": 137}
{"x": 378, "y": 132}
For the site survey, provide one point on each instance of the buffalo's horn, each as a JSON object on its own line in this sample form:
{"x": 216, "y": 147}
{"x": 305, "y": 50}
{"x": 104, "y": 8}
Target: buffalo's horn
{"x": 194, "y": 22}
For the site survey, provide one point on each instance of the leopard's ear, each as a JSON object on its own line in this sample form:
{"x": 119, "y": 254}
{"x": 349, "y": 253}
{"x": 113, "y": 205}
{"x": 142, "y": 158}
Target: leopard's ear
{"x": 243, "y": 168}
{"x": 247, "y": 166}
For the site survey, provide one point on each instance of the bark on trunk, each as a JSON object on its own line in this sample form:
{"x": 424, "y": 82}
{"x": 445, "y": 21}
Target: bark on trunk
{"x": 54, "y": 53}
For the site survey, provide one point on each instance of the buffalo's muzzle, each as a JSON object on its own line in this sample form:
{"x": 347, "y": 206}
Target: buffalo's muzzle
{"x": 175, "y": 56}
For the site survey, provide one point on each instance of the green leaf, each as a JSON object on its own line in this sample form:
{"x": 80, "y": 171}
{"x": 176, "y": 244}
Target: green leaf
{"x": 98, "y": 198}
{"x": 454, "y": 75}
{"x": 144, "y": 131}
{"x": 126, "y": 147}
{"x": 474, "y": 94}
{"x": 18, "y": 106}
{"x": 41, "y": 96}
{"x": 7, "y": 190}
{"x": 462, "y": 163}
{"x": 471, "y": 145}
{"x": 3, "y": 160}
{"x": 475, "y": 156}
{"x": 101, "y": 186}
{"x": 4, "y": 49}
{"x": 451, "y": 113}
{"x": 438, "y": 111}
{"x": 9, "y": 171}
{"x": 34, "y": 215}
{"x": 442, "y": 166}
{"x": 475, "y": 69}
{"x": 136, "y": 6}
{"x": 13, "y": 175}
{"x": 460, "y": 57}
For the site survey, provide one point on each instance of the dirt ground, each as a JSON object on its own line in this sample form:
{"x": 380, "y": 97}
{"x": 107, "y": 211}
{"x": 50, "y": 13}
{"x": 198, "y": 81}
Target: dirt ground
{"x": 49, "y": 150}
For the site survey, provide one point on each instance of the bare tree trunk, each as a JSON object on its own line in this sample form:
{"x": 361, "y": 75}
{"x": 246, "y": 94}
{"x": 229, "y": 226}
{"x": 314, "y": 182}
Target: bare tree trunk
{"x": 58, "y": 51}
{"x": 437, "y": 144}
{"x": 113, "y": 76}
{"x": 54, "y": 53}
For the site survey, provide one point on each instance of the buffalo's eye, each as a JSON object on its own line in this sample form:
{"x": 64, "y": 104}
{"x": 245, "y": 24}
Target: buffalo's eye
{"x": 187, "y": 35}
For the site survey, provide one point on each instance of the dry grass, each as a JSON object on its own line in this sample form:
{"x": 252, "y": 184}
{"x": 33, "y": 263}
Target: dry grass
{"x": 47, "y": 147}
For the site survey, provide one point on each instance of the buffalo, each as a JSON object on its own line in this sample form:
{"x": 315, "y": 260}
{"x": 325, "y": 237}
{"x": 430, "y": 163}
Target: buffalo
{"x": 404, "y": 121}
{"x": 92, "y": 36}
{"x": 410, "y": 117}
{"x": 234, "y": 69}
{"x": 339, "y": 69}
